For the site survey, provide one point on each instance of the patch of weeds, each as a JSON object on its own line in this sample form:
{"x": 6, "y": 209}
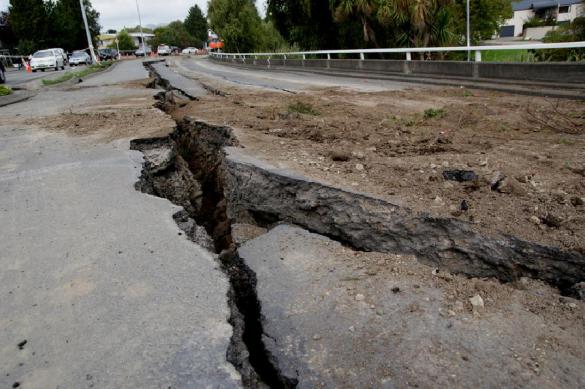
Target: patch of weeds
{"x": 79, "y": 74}
{"x": 5, "y": 91}
{"x": 566, "y": 142}
{"x": 467, "y": 93}
{"x": 503, "y": 128}
{"x": 434, "y": 113}
{"x": 303, "y": 108}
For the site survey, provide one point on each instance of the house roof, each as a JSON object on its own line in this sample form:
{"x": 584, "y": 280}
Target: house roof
{"x": 536, "y": 4}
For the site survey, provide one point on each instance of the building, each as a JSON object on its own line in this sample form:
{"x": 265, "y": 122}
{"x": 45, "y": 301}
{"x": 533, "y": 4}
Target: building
{"x": 105, "y": 40}
{"x": 137, "y": 38}
{"x": 550, "y": 12}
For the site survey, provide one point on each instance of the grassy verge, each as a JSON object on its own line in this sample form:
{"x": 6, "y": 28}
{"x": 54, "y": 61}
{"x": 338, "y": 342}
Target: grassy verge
{"x": 519, "y": 55}
{"x": 5, "y": 91}
{"x": 79, "y": 73}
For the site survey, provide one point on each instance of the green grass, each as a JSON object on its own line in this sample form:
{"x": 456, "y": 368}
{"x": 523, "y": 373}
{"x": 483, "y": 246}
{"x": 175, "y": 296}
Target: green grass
{"x": 5, "y": 91}
{"x": 434, "y": 113}
{"x": 303, "y": 108}
{"x": 79, "y": 73}
{"x": 519, "y": 55}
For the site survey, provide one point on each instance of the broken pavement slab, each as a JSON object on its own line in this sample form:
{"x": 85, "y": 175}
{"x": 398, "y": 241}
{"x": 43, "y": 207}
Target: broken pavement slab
{"x": 333, "y": 317}
{"x": 98, "y": 278}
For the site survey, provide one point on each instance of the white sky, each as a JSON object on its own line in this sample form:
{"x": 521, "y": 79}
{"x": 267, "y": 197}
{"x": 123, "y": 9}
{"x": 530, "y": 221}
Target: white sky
{"x": 119, "y": 13}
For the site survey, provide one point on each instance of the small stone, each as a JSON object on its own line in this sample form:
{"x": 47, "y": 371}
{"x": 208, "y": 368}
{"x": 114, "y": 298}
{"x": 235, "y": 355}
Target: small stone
{"x": 379, "y": 312}
{"x": 433, "y": 166}
{"x": 351, "y": 329}
{"x": 483, "y": 162}
{"x": 552, "y": 220}
{"x": 579, "y": 290}
{"x": 464, "y": 205}
{"x": 371, "y": 149}
{"x": 534, "y": 220}
{"x": 395, "y": 289}
{"x": 358, "y": 154}
{"x": 445, "y": 164}
{"x": 359, "y": 167}
{"x": 477, "y": 303}
{"x": 360, "y": 297}
{"x": 572, "y": 305}
{"x": 459, "y": 307}
{"x": 438, "y": 201}
{"x": 451, "y": 313}
{"x": 448, "y": 185}
{"x": 340, "y": 155}
{"x": 577, "y": 201}
{"x": 316, "y": 337}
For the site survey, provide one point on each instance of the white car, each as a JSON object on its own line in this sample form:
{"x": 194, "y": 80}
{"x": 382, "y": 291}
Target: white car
{"x": 78, "y": 58}
{"x": 63, "y": 54}
{"x": 163, "y": 50}
{"x": 47, "y": 59}
{"x": 189, "y": 50}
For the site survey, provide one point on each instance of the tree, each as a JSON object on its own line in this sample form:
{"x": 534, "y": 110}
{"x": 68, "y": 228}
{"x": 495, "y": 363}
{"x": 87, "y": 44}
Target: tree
{"x": 175, "y": 34}
{"x": 421, "y": 23}
{"x": 486, "y": 17}
{"x": 309, "y": 24}
{"x": 7, "y": 37}
{"x": 29, "y": 20}
{"x": 237, "y": 22}
{"x": 69, "y": 27}
{"x": 196, "y": 24}
{"x": 363, "y": 10}
{"x": 125, "y": 41}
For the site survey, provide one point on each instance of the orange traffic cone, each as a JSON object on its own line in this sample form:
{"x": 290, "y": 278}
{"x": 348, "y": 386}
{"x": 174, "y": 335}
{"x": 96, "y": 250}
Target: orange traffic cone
{"x": 26, "y": 65}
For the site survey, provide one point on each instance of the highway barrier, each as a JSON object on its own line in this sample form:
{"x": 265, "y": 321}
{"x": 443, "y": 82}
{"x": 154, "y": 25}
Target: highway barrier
{"x": 561, "y": 72}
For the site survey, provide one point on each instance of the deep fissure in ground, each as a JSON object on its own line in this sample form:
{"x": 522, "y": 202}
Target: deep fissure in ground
{"x": 191, "y": 169}
{"x": 185, "y": 170}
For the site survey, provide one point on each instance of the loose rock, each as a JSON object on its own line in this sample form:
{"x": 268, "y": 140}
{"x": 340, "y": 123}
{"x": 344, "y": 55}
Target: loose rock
{"x": 460, "y": 175}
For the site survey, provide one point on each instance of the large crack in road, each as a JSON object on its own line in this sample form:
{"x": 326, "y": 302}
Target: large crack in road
{"x": 199, "y": 168}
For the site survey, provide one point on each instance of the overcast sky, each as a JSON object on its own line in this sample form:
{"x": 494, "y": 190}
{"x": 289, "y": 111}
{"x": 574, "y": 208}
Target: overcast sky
{"x": 119, "y": 13}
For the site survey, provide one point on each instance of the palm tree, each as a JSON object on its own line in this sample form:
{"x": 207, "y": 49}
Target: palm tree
{"x": 364, "y": 9}
{"x": 420, "y": 23}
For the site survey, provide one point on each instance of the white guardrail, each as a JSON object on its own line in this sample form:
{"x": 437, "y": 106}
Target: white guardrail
{"x": 408, "y": 51}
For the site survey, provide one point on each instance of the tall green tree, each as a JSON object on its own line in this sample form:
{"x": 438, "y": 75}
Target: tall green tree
{"x": 68, "y": 27}
{"x": 30, "y": 22}
{"x": 125, "y": 41}
{"x": 486, "y": 17}
{"x": 196, "y": 24}
{"x": 7, "y": 37}
{"x": 175, "y": 34}
{"x": 363, "y": 10}
{"x": 237, "y": 22}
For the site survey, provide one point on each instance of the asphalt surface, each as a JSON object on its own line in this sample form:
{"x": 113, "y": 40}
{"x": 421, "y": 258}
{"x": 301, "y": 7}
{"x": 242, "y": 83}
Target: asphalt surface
{"x": 19, "y": 77}
{"x": 99, "y": 287}
{"x": 278, "y": 80}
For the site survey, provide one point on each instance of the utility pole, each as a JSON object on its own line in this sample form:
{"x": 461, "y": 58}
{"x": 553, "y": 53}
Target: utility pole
{"x": 468, "y": 33}
{"x": 89, "y": 42}
{"x": 140, "y": 25}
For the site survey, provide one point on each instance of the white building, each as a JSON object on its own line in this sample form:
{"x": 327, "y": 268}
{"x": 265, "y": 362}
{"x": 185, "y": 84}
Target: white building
{"x": 137, "y": 38}
{"x": 563, "y": 11}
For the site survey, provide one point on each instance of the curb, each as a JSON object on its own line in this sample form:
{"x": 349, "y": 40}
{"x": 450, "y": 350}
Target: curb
{"x": 16, "y": 97}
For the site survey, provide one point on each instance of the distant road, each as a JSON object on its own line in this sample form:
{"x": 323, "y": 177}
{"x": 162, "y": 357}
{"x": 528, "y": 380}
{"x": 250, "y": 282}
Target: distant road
{"x": 283, "y": 80}
{"x": 17, "y": 77}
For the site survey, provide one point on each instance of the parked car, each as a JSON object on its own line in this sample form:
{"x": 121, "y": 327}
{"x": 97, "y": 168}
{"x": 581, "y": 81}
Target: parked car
{"x": 140, "y": 52}
{"x": 79, "y": 57}
{"x": 175, "y": 50}
{"x": 107, "y": 54}
{"x": 47, "y": 59}
{"x": 163, "y": 50}
{"x": 189, "y": 50}
{"x": 63, "y": 54}
{"x": 2, "y": 73}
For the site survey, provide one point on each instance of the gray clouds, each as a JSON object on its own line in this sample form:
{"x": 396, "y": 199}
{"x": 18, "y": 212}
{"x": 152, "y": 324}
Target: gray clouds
{"x": 119, "y": 13}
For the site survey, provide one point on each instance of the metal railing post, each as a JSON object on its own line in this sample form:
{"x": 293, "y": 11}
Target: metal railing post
{"x": 477, "y": 55}
{"x": 408, "y": 56}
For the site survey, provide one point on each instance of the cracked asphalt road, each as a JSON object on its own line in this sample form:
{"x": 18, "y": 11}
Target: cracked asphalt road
{"x": 99, "y": 287}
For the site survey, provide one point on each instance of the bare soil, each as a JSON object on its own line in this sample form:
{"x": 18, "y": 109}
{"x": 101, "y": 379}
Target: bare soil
{"x": 528, "y": 152}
